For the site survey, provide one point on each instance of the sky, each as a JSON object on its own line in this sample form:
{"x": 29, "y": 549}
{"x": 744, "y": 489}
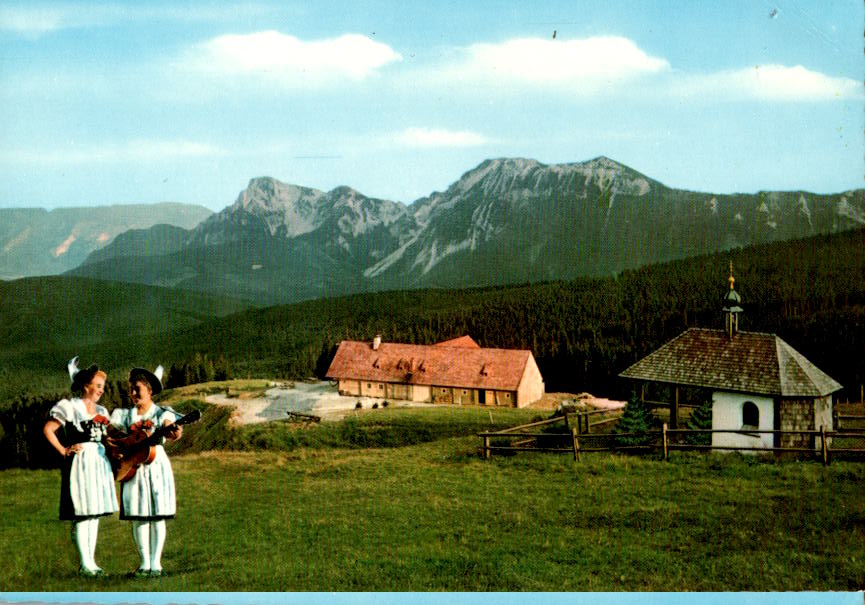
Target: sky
{"x": 112, "y": 102}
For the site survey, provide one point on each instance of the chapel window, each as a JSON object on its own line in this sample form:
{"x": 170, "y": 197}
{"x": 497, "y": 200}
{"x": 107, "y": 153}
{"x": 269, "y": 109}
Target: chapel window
{"x": 750, "y": 415}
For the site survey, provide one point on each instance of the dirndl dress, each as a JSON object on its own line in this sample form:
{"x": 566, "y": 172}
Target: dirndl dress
{"x": 149, "y": 495}
{"x": 87, "y": 482}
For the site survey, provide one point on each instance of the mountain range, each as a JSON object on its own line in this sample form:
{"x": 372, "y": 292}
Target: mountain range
{"x": 35, "y": 241}
{"x": 505, "y": 221}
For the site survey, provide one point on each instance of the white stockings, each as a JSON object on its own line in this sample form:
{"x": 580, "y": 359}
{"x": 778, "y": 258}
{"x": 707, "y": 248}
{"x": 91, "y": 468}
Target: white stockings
{"x": 86, "y": 532}
{"x": 150, "y": 538}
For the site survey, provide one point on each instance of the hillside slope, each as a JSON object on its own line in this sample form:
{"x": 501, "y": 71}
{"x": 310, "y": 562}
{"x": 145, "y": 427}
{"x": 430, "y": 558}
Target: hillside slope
{"x": 34, "y": 241}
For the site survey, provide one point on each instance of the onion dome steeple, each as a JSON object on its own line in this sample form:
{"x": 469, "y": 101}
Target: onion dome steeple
{"x": 732, "y": 307}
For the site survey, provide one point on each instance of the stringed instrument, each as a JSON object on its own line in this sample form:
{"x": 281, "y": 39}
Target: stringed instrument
{"x": 128, "y": 451}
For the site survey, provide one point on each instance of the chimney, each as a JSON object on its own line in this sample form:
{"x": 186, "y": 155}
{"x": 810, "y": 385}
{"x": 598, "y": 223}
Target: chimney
{"x": 376, "y": 342}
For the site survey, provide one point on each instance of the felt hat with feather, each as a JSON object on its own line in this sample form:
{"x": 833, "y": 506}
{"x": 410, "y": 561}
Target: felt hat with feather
{"x": 154, "y": 377}
{"x": 79, "y": 376}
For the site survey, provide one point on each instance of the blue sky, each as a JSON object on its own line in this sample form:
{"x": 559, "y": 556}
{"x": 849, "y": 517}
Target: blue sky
{"x": 160, "y": 101}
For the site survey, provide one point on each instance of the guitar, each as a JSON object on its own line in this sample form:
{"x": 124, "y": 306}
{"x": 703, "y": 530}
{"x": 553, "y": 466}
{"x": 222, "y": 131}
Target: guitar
{"x": 130, "y": 450}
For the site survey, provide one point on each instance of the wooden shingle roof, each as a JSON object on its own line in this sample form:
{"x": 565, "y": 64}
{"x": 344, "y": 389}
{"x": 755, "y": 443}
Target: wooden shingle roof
{"x": 434, "y": 365}
{"x": 750, "y": 362}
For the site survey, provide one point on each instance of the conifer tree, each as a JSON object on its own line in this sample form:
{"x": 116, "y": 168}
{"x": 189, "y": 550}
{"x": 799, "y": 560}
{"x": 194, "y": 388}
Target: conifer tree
{"x": 701, "y": 419}
{"x": 637, "y": 418}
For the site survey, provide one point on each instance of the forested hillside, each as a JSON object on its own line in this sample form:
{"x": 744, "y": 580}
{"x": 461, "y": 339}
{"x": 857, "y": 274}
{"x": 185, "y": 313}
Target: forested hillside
{"x": 48, "y": 320}
{"x": 583, "y": 333}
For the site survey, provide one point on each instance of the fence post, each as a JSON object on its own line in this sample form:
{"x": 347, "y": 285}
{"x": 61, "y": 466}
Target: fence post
{"x": 486, "y": 447}
{"x": 665, "y": 441}
{"x": 674, "y": 411}
{"x": 823, "y": 444}
{"x": 576, "y": 445}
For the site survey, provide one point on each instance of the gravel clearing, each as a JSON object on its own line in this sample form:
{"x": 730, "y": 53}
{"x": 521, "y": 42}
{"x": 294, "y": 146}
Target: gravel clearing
{"x": 313, "y": 398}
{"x": 322, "y": 399}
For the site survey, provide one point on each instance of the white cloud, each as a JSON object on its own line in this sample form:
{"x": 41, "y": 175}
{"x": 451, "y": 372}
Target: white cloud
{"x": 777, "y": 83}
{"x": 436, "y": 137}
{"x": 586, "y": 64}
{"x": 140, "y": 150}
{"x": 602, "y": 64}
{"x": 274, "y": 55}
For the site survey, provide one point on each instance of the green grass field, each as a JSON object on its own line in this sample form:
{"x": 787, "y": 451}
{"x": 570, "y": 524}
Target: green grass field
{"x": 434, "y": 516}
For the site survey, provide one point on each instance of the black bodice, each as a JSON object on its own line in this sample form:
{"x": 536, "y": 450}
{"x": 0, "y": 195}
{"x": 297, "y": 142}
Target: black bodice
{"x": 91, "y": 431}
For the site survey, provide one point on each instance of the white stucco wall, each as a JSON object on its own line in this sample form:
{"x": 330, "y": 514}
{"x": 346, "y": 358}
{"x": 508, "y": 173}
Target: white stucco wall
{"x": 727, "y": 414}
{"x": 823, "y": 413}
{"x": 531, "y": 387}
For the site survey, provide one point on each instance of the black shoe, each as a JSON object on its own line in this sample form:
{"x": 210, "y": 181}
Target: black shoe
{"x": 155, "y": 573}
{"x": 139, "y": 573}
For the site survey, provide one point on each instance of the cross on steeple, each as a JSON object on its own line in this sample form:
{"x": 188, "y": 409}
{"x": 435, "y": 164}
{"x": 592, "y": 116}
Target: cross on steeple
{"x": 731, "y": 307}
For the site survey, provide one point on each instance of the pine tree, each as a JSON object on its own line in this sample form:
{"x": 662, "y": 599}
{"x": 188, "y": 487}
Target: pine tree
{"x": 637, "y": 418}
{"x": 701, "y": 419}
{"x": 175, "y": 377}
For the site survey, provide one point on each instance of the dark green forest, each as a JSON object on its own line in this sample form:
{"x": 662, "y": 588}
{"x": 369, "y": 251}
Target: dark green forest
{"x": 583, "y": 332}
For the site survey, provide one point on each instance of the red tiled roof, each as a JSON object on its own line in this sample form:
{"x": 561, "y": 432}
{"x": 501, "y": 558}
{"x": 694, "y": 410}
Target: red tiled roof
{"x": 462, "y": 341}
{"x": 750, "y": 362}
{"x": 433, "y": 365}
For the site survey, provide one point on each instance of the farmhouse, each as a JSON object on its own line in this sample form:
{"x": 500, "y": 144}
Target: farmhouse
{"x": 455, "y": 371}
{"x": 758, "y": 382}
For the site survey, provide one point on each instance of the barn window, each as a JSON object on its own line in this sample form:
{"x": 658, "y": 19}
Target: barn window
{"x": 750, "y": 415}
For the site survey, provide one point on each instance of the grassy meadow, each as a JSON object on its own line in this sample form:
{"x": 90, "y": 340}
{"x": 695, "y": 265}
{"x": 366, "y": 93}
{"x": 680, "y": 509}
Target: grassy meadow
{"x": 340, "y": 508}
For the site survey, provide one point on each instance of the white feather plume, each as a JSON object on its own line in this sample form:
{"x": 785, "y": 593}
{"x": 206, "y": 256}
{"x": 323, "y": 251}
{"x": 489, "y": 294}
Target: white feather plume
{"x": 158, "y": 372}
{"x": 73, "y": 367}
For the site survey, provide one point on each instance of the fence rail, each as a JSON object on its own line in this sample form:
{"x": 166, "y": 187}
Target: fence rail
{"x": 666, "y": 440}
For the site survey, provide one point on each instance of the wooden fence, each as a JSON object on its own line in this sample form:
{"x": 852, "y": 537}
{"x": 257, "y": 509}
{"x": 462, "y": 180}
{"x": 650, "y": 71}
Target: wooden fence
{"x": 575, "y": 437}
{"x": 823, "y": 442}
{"x": 848, "y": 422}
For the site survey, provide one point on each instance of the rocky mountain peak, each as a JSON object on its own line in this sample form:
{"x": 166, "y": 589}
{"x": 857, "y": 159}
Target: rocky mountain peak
{"x": 507, "y": 220}
{"x": 285, "y": 209}
{"x": 496, "y": 170}
{"x": 610, "y": 176}
{"x": 267, "y": 192}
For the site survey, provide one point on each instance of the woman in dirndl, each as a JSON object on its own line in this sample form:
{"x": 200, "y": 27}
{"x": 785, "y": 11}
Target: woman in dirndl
{"x": 148, "y": 498}
{"x": 76, "y": 428}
